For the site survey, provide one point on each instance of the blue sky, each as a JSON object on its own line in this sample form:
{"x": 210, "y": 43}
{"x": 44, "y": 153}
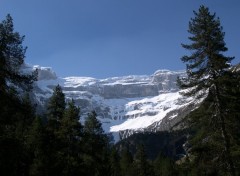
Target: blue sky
{"x": 105, "y": 38}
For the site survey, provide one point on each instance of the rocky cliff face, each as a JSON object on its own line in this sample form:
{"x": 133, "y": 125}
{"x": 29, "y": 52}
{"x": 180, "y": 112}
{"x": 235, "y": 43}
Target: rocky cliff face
{"x": 125, "y": 105}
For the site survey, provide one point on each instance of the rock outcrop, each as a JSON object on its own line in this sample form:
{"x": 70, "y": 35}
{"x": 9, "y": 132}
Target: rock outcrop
{"x": 125, "y": 105}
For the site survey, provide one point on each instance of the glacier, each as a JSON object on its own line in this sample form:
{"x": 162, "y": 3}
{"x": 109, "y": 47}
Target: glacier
{"x": 125, "y": 105}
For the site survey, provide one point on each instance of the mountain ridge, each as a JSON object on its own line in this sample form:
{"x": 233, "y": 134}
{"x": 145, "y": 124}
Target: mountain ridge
{"x": 125, "y": 105}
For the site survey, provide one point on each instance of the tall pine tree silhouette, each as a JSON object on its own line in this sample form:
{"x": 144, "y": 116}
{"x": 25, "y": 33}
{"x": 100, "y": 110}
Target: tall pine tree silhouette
{"x": 206, "y": 67}
{"x": 55, "y": 111}
{"x": 70, "y": 135}
{"x": 96, "y": 147}
{"x": 15, "y": 111}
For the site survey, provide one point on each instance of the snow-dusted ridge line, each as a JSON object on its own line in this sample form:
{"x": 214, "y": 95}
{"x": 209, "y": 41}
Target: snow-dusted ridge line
{"x": 135, "y": 102}
{"x": 166, "y": 71}
{"x": 76, "y": 81}
{"x": 161, "y": 104}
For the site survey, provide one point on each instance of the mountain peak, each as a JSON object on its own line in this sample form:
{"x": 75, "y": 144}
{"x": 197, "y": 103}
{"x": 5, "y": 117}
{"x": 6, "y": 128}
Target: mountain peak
{"x": 124, "y": 105}
{"x": 166, "y": 71}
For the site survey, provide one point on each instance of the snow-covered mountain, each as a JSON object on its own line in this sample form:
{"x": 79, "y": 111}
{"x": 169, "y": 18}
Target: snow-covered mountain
{"x": 125, "y": 105}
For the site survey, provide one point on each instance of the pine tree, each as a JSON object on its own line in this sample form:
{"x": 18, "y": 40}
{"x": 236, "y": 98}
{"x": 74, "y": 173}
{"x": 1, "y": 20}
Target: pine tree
{"x": 12, "y": 54}
{"x": 206, "y": 68}
{"x": 230, "y": 99}
{"x": 70, "y": 134}
{"x": 56, "y": 106}
{"x": 206, "y": 63}
{"x": 141, "y": 162}
{"x": 164, "y": 166}
{"x": 206, "y": 143}
{"x": 55, "y": 112}
{"x": 36, "y": 145}
{"x": 25, "y": 117}
{"x": 16, "y": 112}
{"x": 126, "y": 163}
{"x": 96, "y": 147}
{"x": 114, "y": 163}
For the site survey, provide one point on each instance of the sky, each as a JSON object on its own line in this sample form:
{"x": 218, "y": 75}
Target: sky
{"x": 107, "y": 38}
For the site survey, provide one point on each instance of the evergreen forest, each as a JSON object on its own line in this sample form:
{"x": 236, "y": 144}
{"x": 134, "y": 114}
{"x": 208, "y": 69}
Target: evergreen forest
{"x": 57, "y": 143}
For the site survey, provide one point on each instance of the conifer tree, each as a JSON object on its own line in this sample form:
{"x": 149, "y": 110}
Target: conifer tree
{"x": 164, "y": 166}
{"x": 114, "y": 163}
{"x": 126, "y": 163}
{"x": 206, "y": 63}
{"x": 96, "y": 147}
{"x": 36, "y": 146}
{"x": 206, "y": 67}
{"x": 55, "y": 111}
{"x": 12, "y": 80}
{"x": 141, "y": 163}
{"x": 70, "y": 134}
{"x": 56, "y": 105}
{"x": 25, "y": 117}
{"x": 15, "y": 111}
{"x": 12, "y": 54}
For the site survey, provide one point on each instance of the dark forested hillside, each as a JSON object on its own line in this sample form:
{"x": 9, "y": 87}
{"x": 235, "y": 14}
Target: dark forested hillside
{"x": 169, "y": 144}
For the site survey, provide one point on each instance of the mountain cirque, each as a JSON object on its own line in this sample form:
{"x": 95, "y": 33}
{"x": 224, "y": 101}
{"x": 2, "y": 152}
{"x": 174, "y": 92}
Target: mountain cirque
{"x": 125, "y": 105}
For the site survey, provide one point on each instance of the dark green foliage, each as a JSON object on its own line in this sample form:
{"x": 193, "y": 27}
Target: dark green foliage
{"x": 96, "y": 147}
{"x": 232, "y": 106}
{"x": 164, "y": 166}
{"x": 12, "y": 81}
{"x": 36, "y": 146}
{"x": 16, "y": 117}
{"x": 142, "y": 166}
{"x": 12, "y": 55}
{"x": 206, "y": 62}
{"x": 56, "y": 106}
{"x": 25, "y": 117}
{"x": 207, "y": 143}
{"x": 70, "y": 134}
{"x": 16, "y": 111}
{"x": 115, "y": 163}
{"x": 169, "y": 143}
{"x": 208, "y": 71}
{"x": 204, "y": 143}
{"x": 55, "y": 111}
{"x": 126, "y": 163}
